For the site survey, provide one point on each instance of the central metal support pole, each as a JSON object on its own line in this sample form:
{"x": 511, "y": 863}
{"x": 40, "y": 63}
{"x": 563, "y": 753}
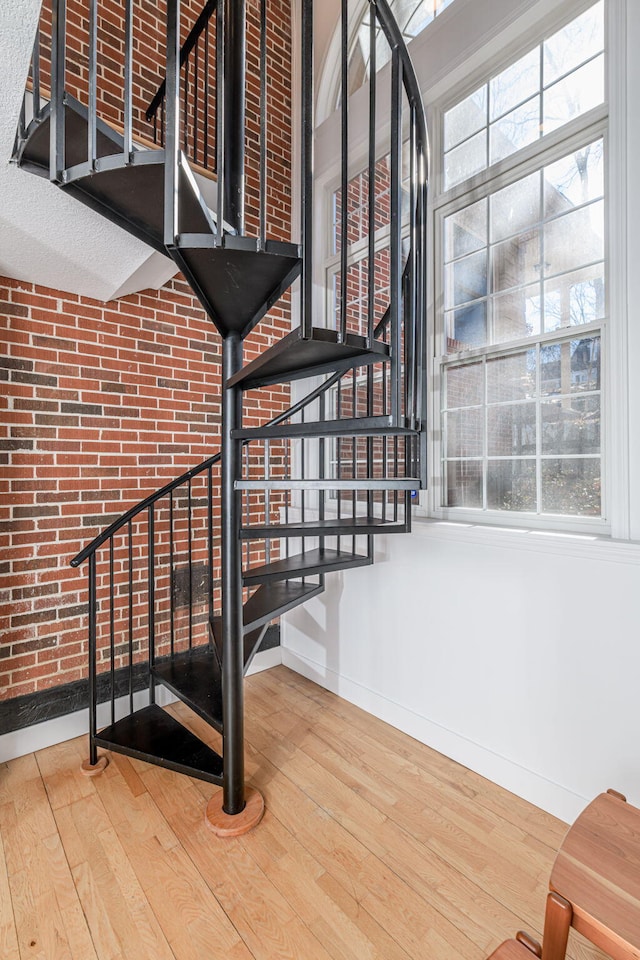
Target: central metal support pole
{"x": 234, "y": 112}
{"x": 232, "y": 637}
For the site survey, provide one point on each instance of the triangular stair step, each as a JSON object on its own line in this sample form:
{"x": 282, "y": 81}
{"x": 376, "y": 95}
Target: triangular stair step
{"x": 272, "y": 599}
{"x": 128, "y": 191}
{"x": 343, "y": 527}
{"x": 358, "y": 426}
{"x": 35, "y": 152}
{"x": 196, "y": 678}
{"x": 305, "y": 564}
{"x": 294, "y": 357}
{"x": 238, "y": 280}
{"x": 152, "y": 735}
{"x": 251, "y": 640}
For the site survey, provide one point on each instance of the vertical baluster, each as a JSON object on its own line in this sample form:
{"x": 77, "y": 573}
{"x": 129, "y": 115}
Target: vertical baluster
{"x": 190, "y": 561}
{"x": 396, "y": 474}
{"x": 287, "y": 494}
{"x": 35, "y": 75}
{"x": 354, "y": 449}
{"x": 344, "y": 169}
{"x": 196, "y": 98}
{"x": 172, "y": 132}
{"x": 93, "y": 654}
{"x": 263, "y": 122}
{"x": 321, "y": 458}
{"x": 172, "y": 605}
{"x": 155, "y": 127}
{"x": 411, "y": 348}
{"x": 220, "y": 117}
{"x": 210, "y": 539}
{"x": 57, "y": 162}
{"x": 130, "y": 532}
{"x": 247, "y": 495}
{"x": 339, "y": 442}
{"x": 306, "y": 287}
{"x": 93, "y": 84}
{"x": 395, "y": 286}
{"x": 185, "y": 108}
{"x": 233, "y": 140}
{"x": 267, "y": 497}
{"x": 371, "y": 304}
{"x": 370, "y": 467}
{"x": 384, "y": 441}
{"x": 112, "y": 635}
{"x": 128, "y": 80}
{"x": 151, "y": 597}
{"x": 163, "y": 129}
{"x": 207, "y": 80}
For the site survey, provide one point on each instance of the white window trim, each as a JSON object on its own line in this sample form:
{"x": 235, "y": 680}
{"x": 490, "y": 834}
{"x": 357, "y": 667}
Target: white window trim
{"x": 494, "y": 32}
{"x": 609, "y": 119}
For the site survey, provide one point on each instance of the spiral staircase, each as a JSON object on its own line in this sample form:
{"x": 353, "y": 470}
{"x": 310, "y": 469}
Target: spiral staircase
{"x": 182, "y": 587}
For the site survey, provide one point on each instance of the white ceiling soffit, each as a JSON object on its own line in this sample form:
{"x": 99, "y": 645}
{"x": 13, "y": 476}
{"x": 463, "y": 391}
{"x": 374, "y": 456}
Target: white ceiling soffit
{"x": 47, "y": 237}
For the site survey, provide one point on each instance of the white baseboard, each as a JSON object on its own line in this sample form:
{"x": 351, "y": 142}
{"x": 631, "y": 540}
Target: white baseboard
{"x": 46, "y": 734}
{"x": 552, "y": 797}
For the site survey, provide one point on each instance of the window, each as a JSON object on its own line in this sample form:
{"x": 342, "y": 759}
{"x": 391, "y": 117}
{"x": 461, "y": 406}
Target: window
{"x": 521, "y": 287}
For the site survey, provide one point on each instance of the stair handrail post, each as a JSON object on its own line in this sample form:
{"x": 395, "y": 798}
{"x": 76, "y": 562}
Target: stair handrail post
{"x": 172, "y": 125}
{"x": 57, "y": 162}
{"x": 231, "y": 564}
{"x": 307, "y": 172}
{"x": 234, "y": 116}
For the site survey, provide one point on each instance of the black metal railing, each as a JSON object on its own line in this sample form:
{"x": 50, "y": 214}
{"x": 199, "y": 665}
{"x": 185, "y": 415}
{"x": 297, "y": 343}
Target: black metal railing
{"x": 404, "y": 235}
{"x": 197, "y": 59}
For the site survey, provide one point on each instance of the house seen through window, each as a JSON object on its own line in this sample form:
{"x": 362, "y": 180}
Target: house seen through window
{"x": 521, "y": 283}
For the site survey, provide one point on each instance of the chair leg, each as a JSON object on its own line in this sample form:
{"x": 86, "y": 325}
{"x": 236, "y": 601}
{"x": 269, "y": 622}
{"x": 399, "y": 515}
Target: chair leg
{"x": 557, "y": 921}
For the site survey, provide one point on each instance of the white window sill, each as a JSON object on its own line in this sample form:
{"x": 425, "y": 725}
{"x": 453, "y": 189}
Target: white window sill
{"x": 578, "y": 545}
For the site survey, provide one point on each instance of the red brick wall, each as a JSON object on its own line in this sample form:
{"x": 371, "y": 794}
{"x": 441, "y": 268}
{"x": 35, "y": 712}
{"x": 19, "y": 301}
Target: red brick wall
{"x": 103, "y": 403}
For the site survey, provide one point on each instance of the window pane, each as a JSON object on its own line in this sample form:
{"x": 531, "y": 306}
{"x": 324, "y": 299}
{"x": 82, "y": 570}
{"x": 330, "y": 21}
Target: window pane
{"x": 574, "y": 298}
{"x": 464, "y": 385}
{"x": 467, "y": 159}
{"x": 574, "y": 180}
{"x": 575, "y": 239}
{"x": 571, "y": 425}
{"x": 516, "y": 314}
{"x": 515, "y": 207}
{"x": 516, "y": 130}
{"x": 577, "y": 93}
{"x": 571, "y": 487}
{"x": 464, "y": 432}
{"x": 512, "y": 377}
{"x": 578, "y": 41}
{"x": 463, "y": 484}
{"x": 570, "y": 367}
{"x": 465, "y": 119}
{"x": 467, "y": 279}
{"x": 467, "y": 327}
{"x": 465, "y": 231}
{"x": 516, "y": 262}
{"x": 511, "y": 485}
{"x": 511, "y": 430}
{"x": 515, "y": 84}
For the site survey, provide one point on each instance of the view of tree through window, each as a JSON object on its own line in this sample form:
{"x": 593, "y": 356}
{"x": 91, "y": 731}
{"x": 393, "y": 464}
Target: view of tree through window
{"x": 523, "y": 288}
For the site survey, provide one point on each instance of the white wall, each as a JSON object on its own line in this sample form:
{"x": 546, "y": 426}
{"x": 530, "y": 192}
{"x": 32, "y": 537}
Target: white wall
{"x": 516, "y": 654}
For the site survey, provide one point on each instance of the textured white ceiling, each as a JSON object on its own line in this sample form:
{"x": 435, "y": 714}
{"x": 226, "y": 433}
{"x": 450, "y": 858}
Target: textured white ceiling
{"x": 45, "y": 236}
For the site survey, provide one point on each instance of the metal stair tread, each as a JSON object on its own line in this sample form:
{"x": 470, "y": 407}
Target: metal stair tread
{"x": 272, "y": 599}
{"x": 196, "y": 678}
{"x": 358, "y": 426}
{"x": 294, "y": 357}
{"x": 152, "y": 735}
{"x": 307, "y": 563}
{"x": 335, "y": 527}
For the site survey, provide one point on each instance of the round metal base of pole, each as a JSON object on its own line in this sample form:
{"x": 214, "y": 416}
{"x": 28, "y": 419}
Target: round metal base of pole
{"x": 224, "y": 825}
{"x": 88, "y": 769}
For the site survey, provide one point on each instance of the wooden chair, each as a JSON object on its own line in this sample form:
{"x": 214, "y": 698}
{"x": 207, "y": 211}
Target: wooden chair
{"x": 594, "y": 886}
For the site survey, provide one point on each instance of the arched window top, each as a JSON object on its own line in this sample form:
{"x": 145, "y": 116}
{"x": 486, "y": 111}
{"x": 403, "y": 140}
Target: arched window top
{"x": 412, "y": 17}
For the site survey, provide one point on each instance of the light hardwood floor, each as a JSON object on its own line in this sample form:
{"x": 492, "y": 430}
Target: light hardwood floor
{"x": 372, "y": 846}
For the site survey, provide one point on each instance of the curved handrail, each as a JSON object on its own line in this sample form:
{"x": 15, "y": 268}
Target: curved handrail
{"x": 395, "y": 40}
{"x": 143, "y": 505}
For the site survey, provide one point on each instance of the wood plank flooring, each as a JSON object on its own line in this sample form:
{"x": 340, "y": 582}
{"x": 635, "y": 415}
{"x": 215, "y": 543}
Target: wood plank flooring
{"x": 373, "y": 847}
